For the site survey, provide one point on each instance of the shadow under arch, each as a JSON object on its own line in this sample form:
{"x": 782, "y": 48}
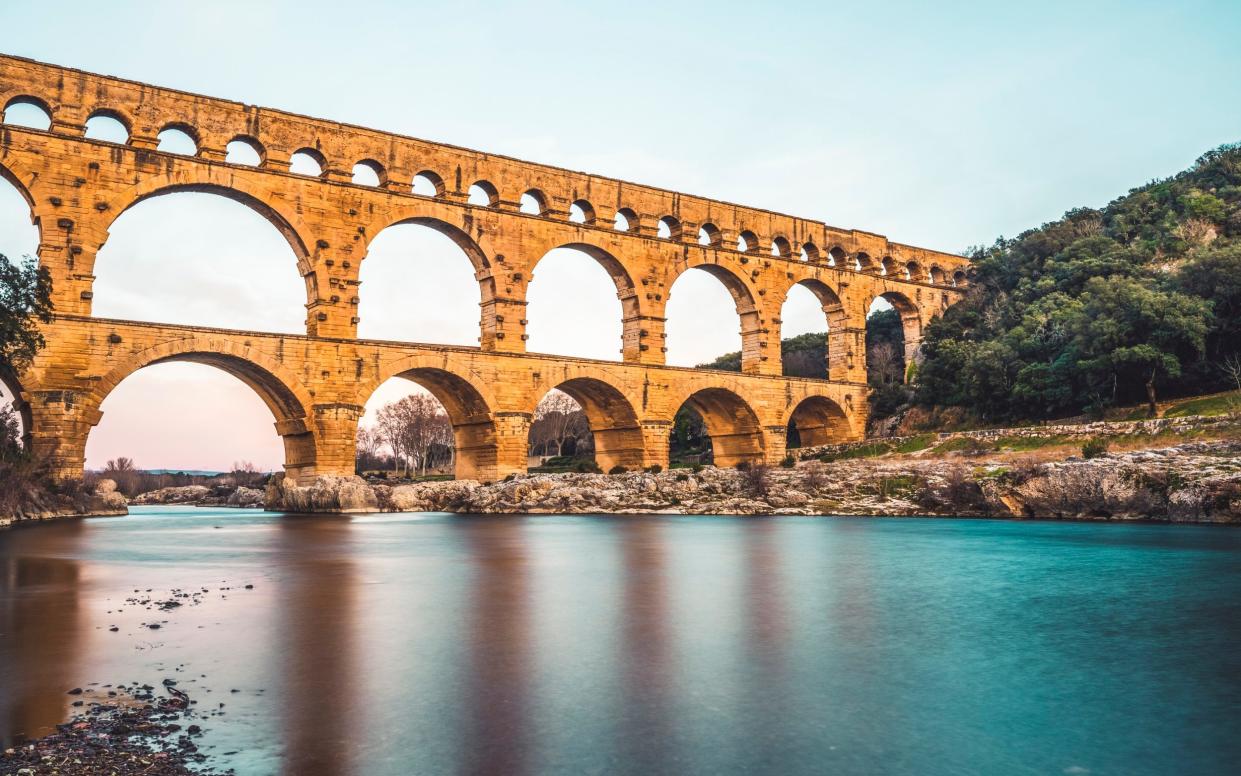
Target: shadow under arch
{"x": 279, "y": 389}
{"x": 732, "y": 425}
{"x": 10, "y": 175}
{"x": 12, "y": 386}
{"x": 469, "y": 409}
{"x": 818, "y": 421}
{"x": 911, "y": 321}
{"x": 612, "y": 419}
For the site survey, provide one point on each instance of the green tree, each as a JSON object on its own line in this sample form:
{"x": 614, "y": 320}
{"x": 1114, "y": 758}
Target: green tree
{"x": 25, "y": 300}
{"x": 1121, "y": 330}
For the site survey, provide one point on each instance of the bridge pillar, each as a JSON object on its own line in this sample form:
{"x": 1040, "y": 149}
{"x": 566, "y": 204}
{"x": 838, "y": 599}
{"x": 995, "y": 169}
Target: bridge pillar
{"x": 775, "y": 444}
{"x": 60, "y": 425}
{"x": 846, "y": 354}
{"x": 760, "y": 351}
{"x": 512, "y": 445}
{"x": 334, "y": 443}
{"x": 643, "y": 340}
{"x": 655, "y": 442}
{"x": 70, "y": 239}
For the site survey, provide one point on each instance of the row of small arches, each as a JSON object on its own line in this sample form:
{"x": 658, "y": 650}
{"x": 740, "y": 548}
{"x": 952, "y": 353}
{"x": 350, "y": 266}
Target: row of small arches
{"x": 176, "y": 138}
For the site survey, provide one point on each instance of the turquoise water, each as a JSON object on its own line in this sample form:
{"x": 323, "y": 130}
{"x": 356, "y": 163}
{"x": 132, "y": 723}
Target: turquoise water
{"x": 398, "y": 644}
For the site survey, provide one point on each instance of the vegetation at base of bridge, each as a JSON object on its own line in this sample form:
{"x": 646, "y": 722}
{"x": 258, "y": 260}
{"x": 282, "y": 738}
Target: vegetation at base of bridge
{"x": 1102, "y": 307}
{"x": 25, "y": 300}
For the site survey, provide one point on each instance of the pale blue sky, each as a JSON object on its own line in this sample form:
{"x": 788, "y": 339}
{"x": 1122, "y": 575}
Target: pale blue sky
{"x": 938, "y": 124}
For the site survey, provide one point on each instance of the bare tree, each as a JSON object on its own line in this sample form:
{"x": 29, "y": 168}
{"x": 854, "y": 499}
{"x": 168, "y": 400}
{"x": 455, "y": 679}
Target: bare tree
{"x": 557, "y": 419}
{"x": 885, "y": 362}
{"x": 1231, "y": 367}
{"x": 410, "y": 427}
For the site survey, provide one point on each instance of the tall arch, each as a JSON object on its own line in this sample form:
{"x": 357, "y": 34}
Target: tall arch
{"x": 288, "y": 401}
{"x": 817, "y": 420}
{"x": 831, "y": 319}
{"x": 583, "y": 315}
{"x": 911, "y": 324}
{"x": 733, "y": 426}
{"x": 20, "y": 225}
{"x": 681, "y": 318}
{"x": 612, "y": 419}
{"x": 192, "y": 254}
{"x": 416, "y": 283}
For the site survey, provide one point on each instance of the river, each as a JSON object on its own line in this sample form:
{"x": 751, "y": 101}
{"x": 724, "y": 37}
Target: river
{"x": 439, "y": 644}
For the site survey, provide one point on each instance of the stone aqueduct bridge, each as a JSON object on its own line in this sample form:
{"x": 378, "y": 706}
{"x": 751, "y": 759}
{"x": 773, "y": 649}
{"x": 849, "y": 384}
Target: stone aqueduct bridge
{"x": 316, "y": 384}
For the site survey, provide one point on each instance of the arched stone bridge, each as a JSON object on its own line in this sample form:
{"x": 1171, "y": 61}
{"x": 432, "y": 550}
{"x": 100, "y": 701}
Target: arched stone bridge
{"x": 316, "y": 385}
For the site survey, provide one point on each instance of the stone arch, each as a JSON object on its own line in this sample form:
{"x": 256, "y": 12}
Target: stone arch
{"x": 834, "y": 317}
{"x": 436, "y": 268}
{"x": 37, "y": 102}
{"x": 250, "y": 142}
{"x": 914, "y": 272}
{"x": 586, "y": 211}
{"x": 110, "y": 113}
{"x": 433, "y": 181}
{"x": 836, "y": 257}
{"x": 669, "y": 228}
{"x": 626, "y": 290}
{"x": 459, "y": 237}
{"x": 911, "y": 321}
{"x": 818, "y": 420}
{"x": 469, "y": 402}
{"x": 613, "y": 421}
{"x": 225, "y": 187}
{"x": 220, "y": 181}
{"x": 9, "y": 174}
{"x": 627, "y": 220}
{"x": 781, "y": 247}
{"x": 289, "y": 401}
{"x": 745, "y": 300}
{"x": 10, "y": 382}
{"x": 486, "y": 192}
{"x": 732, "y": 424}
{"x": 539, "y": 319}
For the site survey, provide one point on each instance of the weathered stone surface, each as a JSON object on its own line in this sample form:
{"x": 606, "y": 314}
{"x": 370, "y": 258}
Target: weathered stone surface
{"x": 324, "y": 494}
{"x": 317, "y": 384}
{"x": 1198, "y": 482}
{"x": 180, "y": 494}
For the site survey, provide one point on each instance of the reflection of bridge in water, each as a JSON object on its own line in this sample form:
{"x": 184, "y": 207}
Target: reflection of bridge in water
{"x": 317, "y": 385}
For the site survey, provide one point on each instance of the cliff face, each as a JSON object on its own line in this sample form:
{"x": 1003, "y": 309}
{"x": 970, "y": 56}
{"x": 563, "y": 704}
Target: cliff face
{"x": 1197, "y": 482}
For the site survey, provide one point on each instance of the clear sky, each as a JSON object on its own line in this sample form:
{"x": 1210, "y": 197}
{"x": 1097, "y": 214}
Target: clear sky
{"x": 940, "y": 124}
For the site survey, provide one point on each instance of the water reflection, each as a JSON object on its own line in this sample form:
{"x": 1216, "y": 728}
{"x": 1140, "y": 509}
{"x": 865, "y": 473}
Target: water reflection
{"x": 316, "y": 643}
{"x": 646, "y": 720}
{"x": 767, "y": 630}
{"x": 500, "y": 649}
{"x": 41, "y": 628}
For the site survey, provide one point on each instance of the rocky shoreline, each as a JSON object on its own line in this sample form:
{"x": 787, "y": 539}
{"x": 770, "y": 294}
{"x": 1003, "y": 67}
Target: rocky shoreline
{"x": 1193, "y": 482}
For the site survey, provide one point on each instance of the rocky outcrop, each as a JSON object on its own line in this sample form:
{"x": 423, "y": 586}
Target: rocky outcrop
{"x": 182, "y": 494}
{"x": 1198, "y": 482}
{"x": 106, "y": 500}
{"x": 246, "y": 498}
{"x": 103, "y": 501}
{"x": 325, "y": 494}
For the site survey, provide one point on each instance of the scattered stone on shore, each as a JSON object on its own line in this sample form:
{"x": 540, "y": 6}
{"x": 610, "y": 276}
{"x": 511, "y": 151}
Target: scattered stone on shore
{"x": 128, "y": 731}
{"x": 1194, "y": 482}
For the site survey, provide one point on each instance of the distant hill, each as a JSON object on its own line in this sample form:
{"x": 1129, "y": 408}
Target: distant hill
{"x": 1103, "y": 307}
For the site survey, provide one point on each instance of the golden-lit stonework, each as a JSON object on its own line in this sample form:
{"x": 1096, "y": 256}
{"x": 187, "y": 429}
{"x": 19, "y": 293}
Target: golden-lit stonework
{"x": 317, "y": 384}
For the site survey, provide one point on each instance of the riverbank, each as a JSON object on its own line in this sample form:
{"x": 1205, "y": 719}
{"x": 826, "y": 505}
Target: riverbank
{"x": 104, "y": 500}
{"x": 1191, "y": 482}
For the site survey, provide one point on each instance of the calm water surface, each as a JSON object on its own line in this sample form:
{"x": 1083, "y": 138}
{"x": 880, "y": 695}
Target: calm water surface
{"x": 434, "y": 644}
